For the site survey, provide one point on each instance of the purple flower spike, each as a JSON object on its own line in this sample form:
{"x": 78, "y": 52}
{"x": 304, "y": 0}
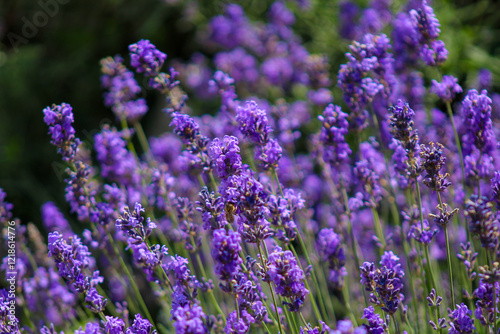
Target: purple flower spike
{"x": 226, "y": 156}
{"x": 59, "y": 118}
{"x": 330, "y": 250}
{"x": 284, "y": 271}
{"x": 461, "y": 321}
{"x": 145, "y": 58}
{"x": 225, "y": 251}
{"x": 447, "y": 89}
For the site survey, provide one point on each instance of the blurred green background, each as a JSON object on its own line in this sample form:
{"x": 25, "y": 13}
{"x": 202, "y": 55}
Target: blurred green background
{"x": 60, "y": 63}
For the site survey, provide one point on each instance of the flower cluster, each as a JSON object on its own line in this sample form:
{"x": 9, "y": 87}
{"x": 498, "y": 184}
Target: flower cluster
{"x": 384, "y": 284}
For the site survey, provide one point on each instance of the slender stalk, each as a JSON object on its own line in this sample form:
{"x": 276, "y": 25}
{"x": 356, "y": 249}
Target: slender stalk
{"x": 457, "y": 142}
{"x": 130, "y": 278}
{"x": 396, "y": 324}
{"x": 264, "y": 265}
{"x": 448, "y": 253}
{"x": 426, "y": 249}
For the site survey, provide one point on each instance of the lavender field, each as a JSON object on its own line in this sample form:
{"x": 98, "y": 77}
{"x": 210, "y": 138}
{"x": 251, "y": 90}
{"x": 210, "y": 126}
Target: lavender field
{"x": 299, "y": 167}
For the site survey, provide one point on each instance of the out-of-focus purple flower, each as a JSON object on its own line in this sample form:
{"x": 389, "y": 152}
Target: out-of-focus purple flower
{"x": 54, "y": 220}
{"x": 233, "y": 29}
{"x": 286, "y": 274}
{"x": 5, "y": 207}
{"x": 122, "y": 89}
{"x": 269, "y": 154}
{"x": 333, "y": 132}
{"x": 145, "y": 58}
{"x": 348, "y": 13}
{"x": 59, "y": 118}
{"x": 330, "y": 250}
{"x": 424, "y": 235}
{"x": 487, "y": 294}
{"x": 189, "y": 320}
{"x": 461, "y": 321}
{"x": 484, "y": 79}
{"x": 117, "y": 163}
{"x": 481, "y": 221}
{"x": 278, "y": 70}
{"x": 346, "y": 327}
{"x": 239, "y": 64}
{"x": 80, "y": 193}
{"x": 447, "y": 89}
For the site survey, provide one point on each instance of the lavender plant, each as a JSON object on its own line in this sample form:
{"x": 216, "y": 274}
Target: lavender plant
{"x": 269, "y": 213}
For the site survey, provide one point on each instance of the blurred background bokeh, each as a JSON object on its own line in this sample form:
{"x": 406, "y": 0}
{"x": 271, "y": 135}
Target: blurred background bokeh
{"x": 59, "y": 62}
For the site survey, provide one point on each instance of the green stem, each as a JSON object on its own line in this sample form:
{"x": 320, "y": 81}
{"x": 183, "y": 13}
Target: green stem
{"x": 271, "y": 288}
{"x": 448, "y": 253}
{"x": 396, "y": 324}
{"x": 459, "y": 146}
{"x": 130, "y": 278}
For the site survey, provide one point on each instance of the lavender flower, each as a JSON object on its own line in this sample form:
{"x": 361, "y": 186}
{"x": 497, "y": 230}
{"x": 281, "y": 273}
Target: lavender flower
{"x": 132, "y": 223}
{"x": 385, "y": 284}
{"x": 189, "y": 320}
{"x": 71, "y": 260}
{"x": 253, "y": 123}
{"x": 330, "y": 250}
{"x": 432, "y": 160}
{"x": 225, "y": 251}
{"x": 333, "y": 131}
{"x": 122, "y": 89}
{"x": 376, "y": 324}
{"x": 226, "y": 156}
{"x": 286, "y": 274}
{"x": 59, "y": 118}
{"x": 140, "y": 326}
{"x": 482, "y": 222}
{"x": 238, "y": 324}
{"x": 145, "y": 58}
{"x": 447, "y": 89}
{"x": 460, "y": 320}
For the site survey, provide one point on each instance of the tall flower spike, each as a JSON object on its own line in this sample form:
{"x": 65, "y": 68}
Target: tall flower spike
{"x": 286, "y": 274}
{"x": 481, "y": 220}
{"x": 432, "y": 160}
{"x": 59, "y": 118}
{"x": 401, "y": 122}
{"x": 331, "y": 251}
{"x": 335, "y": 128}
{"x": 225, "y": 251}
